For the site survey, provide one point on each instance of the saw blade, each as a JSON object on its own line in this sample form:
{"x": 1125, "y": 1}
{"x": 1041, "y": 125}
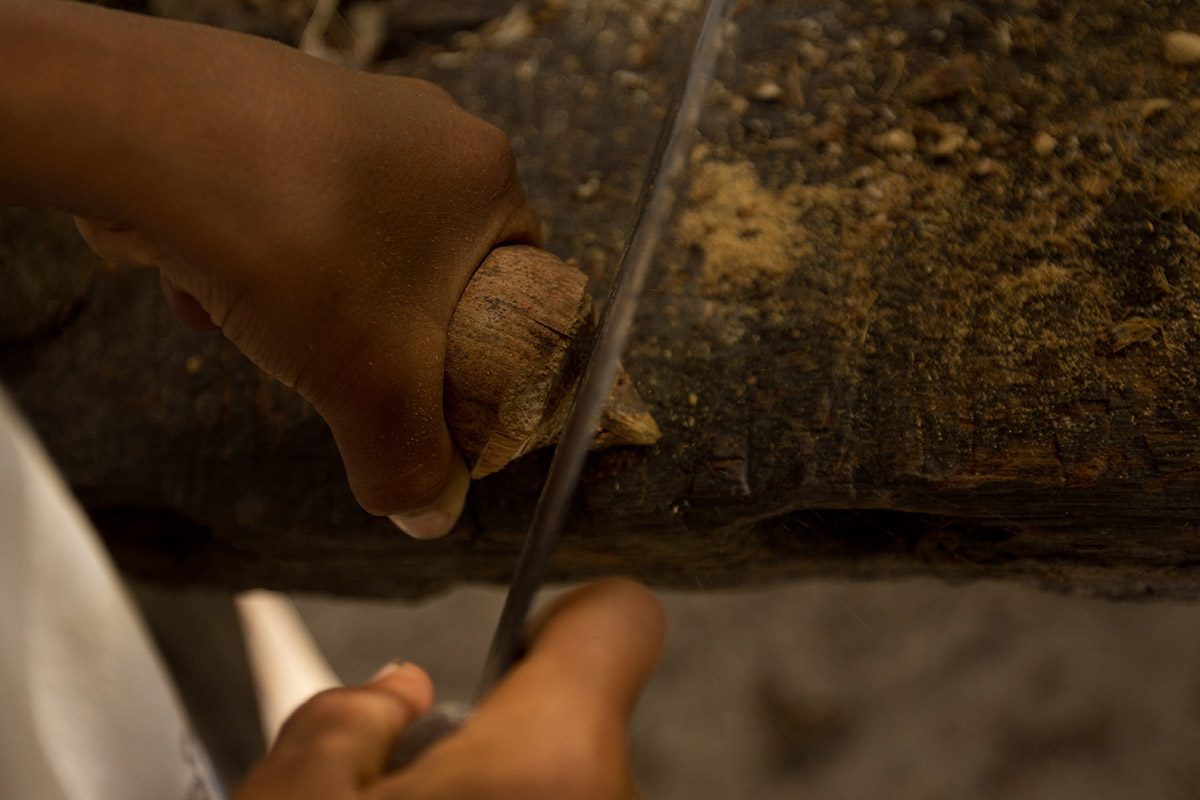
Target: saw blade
{"x": 655, "y": 205}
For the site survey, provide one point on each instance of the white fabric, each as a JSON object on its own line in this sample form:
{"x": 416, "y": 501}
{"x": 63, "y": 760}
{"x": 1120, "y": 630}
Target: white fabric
{"x": 87, "y": 711}
{"x": 287, "y": 666}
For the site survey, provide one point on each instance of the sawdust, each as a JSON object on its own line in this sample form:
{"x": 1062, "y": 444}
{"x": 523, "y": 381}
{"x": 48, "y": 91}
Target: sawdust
{"x": 660, "y": 7}
{"x": 749, "y": 233}
{"x": 744, "y": 230}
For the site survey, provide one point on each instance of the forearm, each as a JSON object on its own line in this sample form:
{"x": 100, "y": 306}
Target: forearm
{"x": 98, "y": 107}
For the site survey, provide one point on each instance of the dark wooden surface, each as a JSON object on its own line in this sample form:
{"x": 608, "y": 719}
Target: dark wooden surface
{"x": 931, "y": 308}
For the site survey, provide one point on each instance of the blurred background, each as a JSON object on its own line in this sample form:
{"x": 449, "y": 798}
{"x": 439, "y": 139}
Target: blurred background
{"x": 821, "y": 689}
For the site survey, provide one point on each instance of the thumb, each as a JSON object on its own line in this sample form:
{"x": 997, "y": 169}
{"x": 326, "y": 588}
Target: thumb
{"x": 386, "y": 418}
{"x": 590, "y": 655}
{"x": 555, "y": 726}
{"x": 440, "y": 516}
{"x": 601, "y": 640}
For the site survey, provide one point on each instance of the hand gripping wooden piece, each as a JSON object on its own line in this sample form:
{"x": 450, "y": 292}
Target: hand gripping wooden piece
{"x": 516, "y": 348}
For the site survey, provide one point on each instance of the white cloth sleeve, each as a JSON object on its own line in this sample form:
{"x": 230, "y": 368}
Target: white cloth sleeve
{"x": 87, "y": 711}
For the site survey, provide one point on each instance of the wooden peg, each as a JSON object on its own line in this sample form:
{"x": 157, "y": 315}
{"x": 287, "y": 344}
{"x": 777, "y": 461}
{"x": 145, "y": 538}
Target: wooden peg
{"x": 516, "y": 350}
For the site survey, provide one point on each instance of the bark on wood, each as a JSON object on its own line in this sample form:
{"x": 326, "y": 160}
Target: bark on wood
{"x": 931, "y": 307}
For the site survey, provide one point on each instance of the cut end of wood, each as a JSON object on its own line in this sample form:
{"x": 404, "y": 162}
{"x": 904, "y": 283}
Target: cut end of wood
{"x": 626, "y": 419}
{"x": 517, "y": 347}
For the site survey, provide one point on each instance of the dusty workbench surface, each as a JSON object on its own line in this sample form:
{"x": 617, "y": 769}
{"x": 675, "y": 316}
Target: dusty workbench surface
{"x": 930, "y": 307}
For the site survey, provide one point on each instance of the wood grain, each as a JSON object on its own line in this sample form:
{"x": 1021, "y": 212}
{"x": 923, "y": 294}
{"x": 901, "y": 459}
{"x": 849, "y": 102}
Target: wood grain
{"x": 516, "y": 349}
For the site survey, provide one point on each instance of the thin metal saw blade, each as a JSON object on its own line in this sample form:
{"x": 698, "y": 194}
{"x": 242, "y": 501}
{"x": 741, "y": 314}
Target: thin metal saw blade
{"x": 657, "y": 201}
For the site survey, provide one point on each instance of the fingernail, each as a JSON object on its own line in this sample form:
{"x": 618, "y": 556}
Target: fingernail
{"x": 431, "y": 525}
{"x": 440, "y": 518}
{"x": 390, "y": 668}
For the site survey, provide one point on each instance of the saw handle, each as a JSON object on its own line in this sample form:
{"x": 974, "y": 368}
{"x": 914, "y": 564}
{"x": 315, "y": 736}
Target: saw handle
{"x": 442, "y": 721}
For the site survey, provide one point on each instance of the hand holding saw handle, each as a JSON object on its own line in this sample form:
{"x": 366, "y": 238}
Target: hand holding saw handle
{"x": 554, "y": 727}
{"x": 659, "y": 194}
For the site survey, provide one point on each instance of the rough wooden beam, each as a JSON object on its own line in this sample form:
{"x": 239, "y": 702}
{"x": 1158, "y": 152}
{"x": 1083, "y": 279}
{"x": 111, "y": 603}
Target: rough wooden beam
{"x": 933, "y": 306}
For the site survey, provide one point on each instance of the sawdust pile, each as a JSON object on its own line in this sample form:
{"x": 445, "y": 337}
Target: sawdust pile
{"x": 744, "y": 230}
{"x": 750, "y": 233}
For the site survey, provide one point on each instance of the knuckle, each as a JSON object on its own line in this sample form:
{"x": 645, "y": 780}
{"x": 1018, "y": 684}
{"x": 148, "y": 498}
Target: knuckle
{"x": 358, "y": 708}
{"x": 499, "y": 150}
{"x": 334, "y": 707}
{"x": 319, "y": 726}
{"x": 435, "y": 93}
{"x": 493, "y": 159}
{"x": 399, "y": 491}
{"x": 402, "y": 480}
{"x": 395, "y": 446}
